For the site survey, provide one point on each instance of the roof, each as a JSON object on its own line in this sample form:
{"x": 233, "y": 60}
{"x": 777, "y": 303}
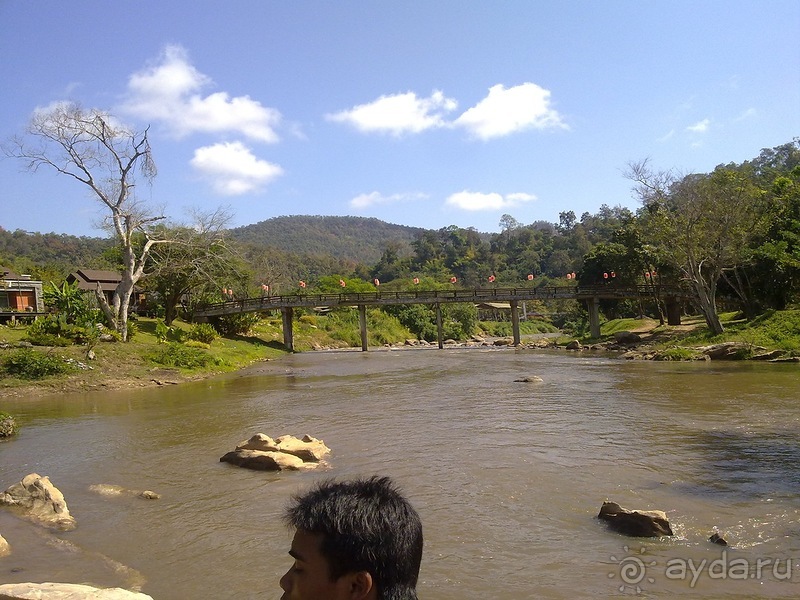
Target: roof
{"x": 89, "y": 278}
{"x": 7, "y": 274}
{"x": 496, "y": 305}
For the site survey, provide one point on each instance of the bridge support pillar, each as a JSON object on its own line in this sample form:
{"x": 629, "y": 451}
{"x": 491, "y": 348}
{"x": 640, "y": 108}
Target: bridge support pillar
{"x": 362, "y": 322}
{"x": 439, "y": 335}
{"x": 593, "y": 305}
{"x": 515, "y": 322}
{"x": 674, "y": 309}
{"x": 287, "y": 313}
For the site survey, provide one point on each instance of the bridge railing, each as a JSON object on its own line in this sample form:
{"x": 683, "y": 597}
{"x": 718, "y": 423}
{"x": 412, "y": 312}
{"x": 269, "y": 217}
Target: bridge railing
{"x": 264, "y": 303}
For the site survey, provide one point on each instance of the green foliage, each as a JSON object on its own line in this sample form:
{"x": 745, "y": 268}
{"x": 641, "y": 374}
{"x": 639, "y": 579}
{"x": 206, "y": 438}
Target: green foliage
{"x": 235, "y": 324}
{"x": 343, "y": 325}
{"x": 67, "y": 300}
{"x": 181, "y": 356}
{"x": 504, "y": 328}
{"x": 8, "y": 425}
{"x": 30, "y": 364}
{"x": 308, "y": 320}
{"x": 678, "y": 353}
{"x": 161, "y": 332}
{"x": 202, "y": 332}
{"x": 54, "y": 330}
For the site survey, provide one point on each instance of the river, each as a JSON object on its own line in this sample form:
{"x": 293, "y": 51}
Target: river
{"x": 507, "y": 476}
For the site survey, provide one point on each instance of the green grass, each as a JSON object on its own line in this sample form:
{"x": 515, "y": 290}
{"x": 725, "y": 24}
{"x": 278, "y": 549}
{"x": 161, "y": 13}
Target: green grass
{"x": 504, "y": 329}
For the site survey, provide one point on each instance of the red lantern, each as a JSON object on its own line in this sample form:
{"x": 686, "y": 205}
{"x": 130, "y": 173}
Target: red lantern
{"x": 453, "y": 280}
{"x": 376, "y": 282}
{"x": 416, "y": 280}
{"x": 342, "y": 283}
{"x": 569, "y": 275}
{"x": 530, "y": 277}
{"x": 605, "y": 275}
{"x": 647, "y": 275}
{"x": 302, "y": 284}
{"x": 224, "y": 291}
{"x": 491, "y": 278}
{"x": 613, "y": 274}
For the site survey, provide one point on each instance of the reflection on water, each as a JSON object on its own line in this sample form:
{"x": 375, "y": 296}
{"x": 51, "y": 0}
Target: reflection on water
{"x": 507, "y": 476}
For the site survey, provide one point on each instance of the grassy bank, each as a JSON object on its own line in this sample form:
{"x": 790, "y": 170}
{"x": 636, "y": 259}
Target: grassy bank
{"x": 774, "y": 330}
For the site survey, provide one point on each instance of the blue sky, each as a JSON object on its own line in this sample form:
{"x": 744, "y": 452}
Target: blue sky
{"x": 423, "y": 113}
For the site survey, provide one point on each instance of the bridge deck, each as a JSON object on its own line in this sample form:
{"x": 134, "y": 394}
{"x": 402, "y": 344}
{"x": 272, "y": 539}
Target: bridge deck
{"x": 481, "y": 295}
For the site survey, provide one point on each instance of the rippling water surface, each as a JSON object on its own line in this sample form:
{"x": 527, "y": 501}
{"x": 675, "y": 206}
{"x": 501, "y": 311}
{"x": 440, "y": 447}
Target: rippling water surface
{"x": 507, "y": 476}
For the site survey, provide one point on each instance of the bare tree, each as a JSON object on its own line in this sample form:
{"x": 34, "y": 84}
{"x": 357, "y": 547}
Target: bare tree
{"x": 93, "y": 148}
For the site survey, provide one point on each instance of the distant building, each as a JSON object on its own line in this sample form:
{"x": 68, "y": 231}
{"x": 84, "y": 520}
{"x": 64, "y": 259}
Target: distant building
{"x": 87, "y": 280}
{"x": 19, "y": 294}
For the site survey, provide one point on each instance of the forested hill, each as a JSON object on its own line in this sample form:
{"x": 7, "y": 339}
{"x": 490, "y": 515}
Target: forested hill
{"x": 357, "y": 239}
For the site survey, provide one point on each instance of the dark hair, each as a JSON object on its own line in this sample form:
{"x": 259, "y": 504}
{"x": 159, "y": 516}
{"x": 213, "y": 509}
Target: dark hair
{"x": 366, "y": 525}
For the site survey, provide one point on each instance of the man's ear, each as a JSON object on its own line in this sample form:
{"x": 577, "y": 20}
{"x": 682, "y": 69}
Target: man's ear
{"x": 361, "y": 586}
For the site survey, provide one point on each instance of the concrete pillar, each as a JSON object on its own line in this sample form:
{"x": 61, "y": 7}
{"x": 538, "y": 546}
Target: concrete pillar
{"x": 362, "y": 322}
{"x": 287, "y": 313}
{"x": 674, "y": 309}
{"x": 439, "y": 334}
{"x": 515, "y": 322}
{"x": 593, "y": 306}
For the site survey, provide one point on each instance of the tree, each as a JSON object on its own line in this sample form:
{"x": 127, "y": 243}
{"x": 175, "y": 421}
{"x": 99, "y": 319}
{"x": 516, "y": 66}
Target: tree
{"x": 96, "y": 150}
{"x": 197, "y": 257}
{"x": 703, "y": 222}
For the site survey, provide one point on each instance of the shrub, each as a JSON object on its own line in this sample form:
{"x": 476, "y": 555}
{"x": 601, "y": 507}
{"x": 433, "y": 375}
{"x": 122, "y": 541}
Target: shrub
{"x": 8, "y": 425}
{"x": 30, "y": 364}
{"x": 308, "y": 320}
{"x": 202, "y": 332}
{"x": 178, "y": 355}
{"x": 239, "y": 323}
{"x": 161, "y": 332}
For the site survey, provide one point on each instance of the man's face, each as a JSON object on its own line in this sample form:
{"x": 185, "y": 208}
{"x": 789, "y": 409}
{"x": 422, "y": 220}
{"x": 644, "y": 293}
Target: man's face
{"x": 309, "y": 577}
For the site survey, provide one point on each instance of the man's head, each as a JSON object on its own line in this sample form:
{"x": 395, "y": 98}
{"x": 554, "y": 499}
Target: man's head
{"x": 357, "y": 539}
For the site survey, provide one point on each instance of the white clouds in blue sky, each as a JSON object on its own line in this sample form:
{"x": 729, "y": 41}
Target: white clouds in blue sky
{"x": 524, "y": 108}
{"x": 169, "y": 93}
{"x": 398, "y": 114}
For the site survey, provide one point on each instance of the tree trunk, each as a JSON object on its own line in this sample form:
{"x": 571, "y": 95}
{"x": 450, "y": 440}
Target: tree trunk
{"x": 708, "y": 306}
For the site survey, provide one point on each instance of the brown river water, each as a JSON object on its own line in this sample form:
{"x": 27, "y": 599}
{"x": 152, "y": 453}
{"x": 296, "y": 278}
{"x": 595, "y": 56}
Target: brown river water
{"x": 508, "y": 477}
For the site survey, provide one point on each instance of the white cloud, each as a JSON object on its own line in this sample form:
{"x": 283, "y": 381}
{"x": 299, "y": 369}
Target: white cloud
{"x": 169, "y": 91}
{"x": 398, "y": 114}
{"x": 505, "y": 111}
{"x": 233, "y": 169}
{"x": 699, "y": 127}
{"x": 475, "y": 201}
{"x": 374, "y": 198}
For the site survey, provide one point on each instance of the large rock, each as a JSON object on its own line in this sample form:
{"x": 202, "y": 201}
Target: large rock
{"x": 287, "y": 452}
{"x": 263, "y": 461}
{"x": 730, "y": 350}
{"x": 636, "y": 523}
{"x": 40, "y": 501}
{"x": 259, "y": 441}
{"x": 65, "y": 591}
{"x": 5, "y": 549}
{"x": 308, "y": 449}
{"x": 627, "y": 337}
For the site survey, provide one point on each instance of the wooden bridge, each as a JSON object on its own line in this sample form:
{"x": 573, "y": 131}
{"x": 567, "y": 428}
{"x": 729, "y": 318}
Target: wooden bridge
{"x": 589, "y": 294}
